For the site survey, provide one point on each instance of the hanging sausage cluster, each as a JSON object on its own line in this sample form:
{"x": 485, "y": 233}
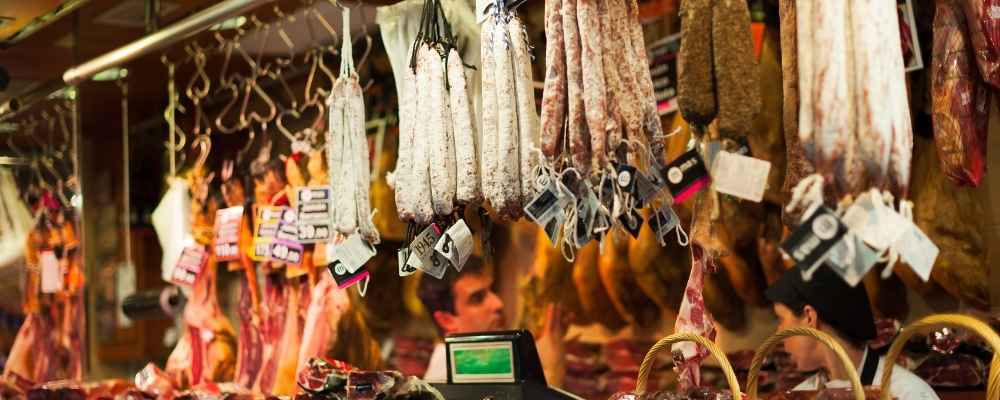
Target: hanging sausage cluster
{"x": 717, "y": 75}
{"x": 437, "y": 166}
{"x": 598, "y": 90}
{"x": 347, "y": 149}
{"x": 510, "y": 121}
{"x": 854, "y": 116}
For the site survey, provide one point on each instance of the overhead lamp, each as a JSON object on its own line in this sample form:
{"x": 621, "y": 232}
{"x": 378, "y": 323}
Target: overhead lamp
{"x": 232, "y": 23}
{"x": 110, "y": 74}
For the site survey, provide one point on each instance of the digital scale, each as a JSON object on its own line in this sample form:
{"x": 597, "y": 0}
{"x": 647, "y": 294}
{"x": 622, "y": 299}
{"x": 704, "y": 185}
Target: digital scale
{"x": 496, "y": 366}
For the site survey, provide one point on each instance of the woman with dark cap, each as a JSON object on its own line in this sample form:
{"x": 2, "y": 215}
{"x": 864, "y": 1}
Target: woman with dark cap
{"x": 828, "y": 304}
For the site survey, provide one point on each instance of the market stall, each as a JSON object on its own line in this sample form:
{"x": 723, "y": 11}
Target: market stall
{"x": 434, "y": 199}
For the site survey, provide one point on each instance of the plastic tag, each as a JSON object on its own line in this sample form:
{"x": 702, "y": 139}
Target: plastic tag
{"x": 422, "y": 252}
{"x": 344, "y": 277}
{"x": 586, "y": 213}
{"x": 189, "y": 265}
{"x": 740, "y": 176}
{"x": 456, "y": 244}
{"x": 544, "y": 205}
{"x": 810, "y": 243}
{"x": 52, "y": 275}
{"x": 227, "y": 233}
{"x": 625, "y": 177}
{"x": 918, "y": 251}
{"x": 631, "y": 222}
{"x": 353, "y": 253}
{"x": 646, "y": 189}
{"x": 686, "y": 175}
{"x": 852, "y": 264}
{"x": 664, "y": 221}
{"x": 313, "y": 211}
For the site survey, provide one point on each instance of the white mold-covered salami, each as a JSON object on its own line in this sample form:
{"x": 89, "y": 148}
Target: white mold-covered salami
{"x": 508, "y": 157}
{"x": 403, "y": 175}
{"x": 362, "y": 164}
{"x": 421, "y": 179}
{"x": 464, "y": 132}
{"x": 872, "y": 78}
{"x": 439, "y": 126}
{"x": 527, "y": 117}
{"x": 488, "y": 150}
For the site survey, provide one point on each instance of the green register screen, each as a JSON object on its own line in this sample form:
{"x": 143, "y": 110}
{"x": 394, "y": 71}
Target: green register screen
{"x": 482, "y": 362}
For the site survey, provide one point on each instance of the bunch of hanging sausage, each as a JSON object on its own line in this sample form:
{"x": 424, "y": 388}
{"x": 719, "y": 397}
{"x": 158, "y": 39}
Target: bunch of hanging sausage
{"x": 437, "y": 166}
{"x": 598, "y": 100}
{"x": 510, "y": 122}
{"x": 347, "y": 151}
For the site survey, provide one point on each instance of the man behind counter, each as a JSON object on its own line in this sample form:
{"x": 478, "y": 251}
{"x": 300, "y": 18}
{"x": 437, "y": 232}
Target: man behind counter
{"x": 464, "y": 302}
{"x": 828, "y": 304}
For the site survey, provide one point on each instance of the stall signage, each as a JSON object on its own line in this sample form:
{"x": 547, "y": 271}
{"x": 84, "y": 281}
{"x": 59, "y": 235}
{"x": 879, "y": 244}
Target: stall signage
{"x": 313, "y": 207}
{"x": 191, "y": 262}
{"x": 227, "y": 233}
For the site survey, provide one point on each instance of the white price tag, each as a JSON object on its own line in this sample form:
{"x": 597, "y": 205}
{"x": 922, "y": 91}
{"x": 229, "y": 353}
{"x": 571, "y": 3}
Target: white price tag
{"x": 353, "y": 253}
{"x": 456, "y": 244}
{"x": 874, "y": 222}
{"x": 852, "y": 259}
{"x": 422, "y": 252}
{"x": 918, "y": 251}
{"x": 402, "y": 256}
{"x": 740, "y": 176}
{"x": 52, "y": 276}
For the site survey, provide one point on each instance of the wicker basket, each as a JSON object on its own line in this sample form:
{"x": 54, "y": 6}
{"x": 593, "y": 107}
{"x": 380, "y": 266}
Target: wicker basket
{"x": 953, "y": 320}
{"x": 768, "y": 346}
{"x": 664, "y": 345}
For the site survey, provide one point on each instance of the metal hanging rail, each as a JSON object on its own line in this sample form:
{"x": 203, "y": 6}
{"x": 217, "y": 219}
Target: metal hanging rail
{"x": 176, "y": 32}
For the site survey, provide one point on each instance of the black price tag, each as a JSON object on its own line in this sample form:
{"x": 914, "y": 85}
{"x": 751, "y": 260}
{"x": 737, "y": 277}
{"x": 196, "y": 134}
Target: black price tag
{"x": 544, "y": 205}
{"x": 586, "y": 212}
{"x": 810, "y": 244}
{"x": 686, "y": 175}
{"x": 632, "y": 222}
{"x": 344, "y": 277}
{"x": 645, "y": 190}
{"x": 625, "y": 177}
{"x": 664, "y": 221}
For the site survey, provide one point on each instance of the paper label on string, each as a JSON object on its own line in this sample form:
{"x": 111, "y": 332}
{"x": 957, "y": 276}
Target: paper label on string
{"x": 740, "y": 176}
{"x": 918, "y": 251}
{"x": 227, "y": 233}
{"x": 52, "y": 274}
{"x": 189, "y": 265}
{"x": 686, "y": 175}
{"x": 422, "y": 255}
{"x": 810, "y": 243}
{"x": 874, "y": 222}
{"x": 402, "y": 256}
{"x": 456, "y": 244}
{"x": 314, "y": 214}
{"x": 852, "y": 263}
{"x": 352, "y": 253}
{"x": 664, "y": 221}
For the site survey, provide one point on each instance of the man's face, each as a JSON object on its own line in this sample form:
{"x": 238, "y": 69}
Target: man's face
{"x": 477, "y": 308}
{"x": 803, "y": 350}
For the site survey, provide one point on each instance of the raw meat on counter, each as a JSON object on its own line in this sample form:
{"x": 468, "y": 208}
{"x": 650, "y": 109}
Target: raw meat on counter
{"x": 692, "y": 394}
{"x": 827, "y": 394}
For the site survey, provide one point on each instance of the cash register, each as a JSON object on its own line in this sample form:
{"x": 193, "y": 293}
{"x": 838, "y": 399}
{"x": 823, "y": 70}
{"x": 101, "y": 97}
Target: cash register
{"x": 496, "y": 366}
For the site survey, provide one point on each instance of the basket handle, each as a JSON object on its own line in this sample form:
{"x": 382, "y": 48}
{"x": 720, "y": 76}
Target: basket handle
{"x": 768, "y": 346}
{"x": 664, "y": 344}
{"x": 953, "y": 320}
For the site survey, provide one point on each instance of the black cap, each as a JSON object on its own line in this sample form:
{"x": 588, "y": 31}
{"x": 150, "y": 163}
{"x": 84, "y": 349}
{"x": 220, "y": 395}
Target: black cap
{"x": 845, "y": 308}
